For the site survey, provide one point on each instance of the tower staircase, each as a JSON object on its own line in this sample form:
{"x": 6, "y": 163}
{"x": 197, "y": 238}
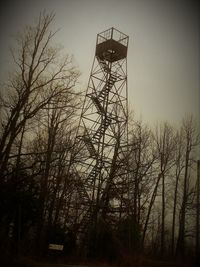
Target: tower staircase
{"x": 88, "y": 142}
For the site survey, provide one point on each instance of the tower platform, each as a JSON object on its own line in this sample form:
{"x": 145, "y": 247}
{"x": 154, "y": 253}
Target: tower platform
{"x": 111, "y": 45}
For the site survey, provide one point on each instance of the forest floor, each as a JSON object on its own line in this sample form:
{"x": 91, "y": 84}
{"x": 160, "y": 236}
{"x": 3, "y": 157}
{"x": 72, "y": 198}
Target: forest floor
{"x": 142, "y": 263}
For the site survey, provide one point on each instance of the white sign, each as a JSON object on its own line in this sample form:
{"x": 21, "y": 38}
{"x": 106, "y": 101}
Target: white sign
{"x": 56, "y": 247}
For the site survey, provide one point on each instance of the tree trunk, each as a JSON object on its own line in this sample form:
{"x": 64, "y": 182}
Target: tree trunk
{"x": 150, "y": 207}
{"x": 174, "y": 213}
{"x": 180, "y": 250}
{"x": 197, "y": 212}
{"x": 162, "y": 247}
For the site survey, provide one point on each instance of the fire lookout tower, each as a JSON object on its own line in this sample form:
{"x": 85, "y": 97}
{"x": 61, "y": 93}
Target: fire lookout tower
{"x": 100, "y": 163}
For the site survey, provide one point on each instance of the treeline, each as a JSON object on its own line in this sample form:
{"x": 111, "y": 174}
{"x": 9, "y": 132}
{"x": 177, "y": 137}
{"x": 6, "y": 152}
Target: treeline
{"x": 164, "y": 179}
{"x": 39, "y": 111}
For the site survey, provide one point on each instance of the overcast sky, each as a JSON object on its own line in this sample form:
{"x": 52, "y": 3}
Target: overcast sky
{"x": 163, "y": 53}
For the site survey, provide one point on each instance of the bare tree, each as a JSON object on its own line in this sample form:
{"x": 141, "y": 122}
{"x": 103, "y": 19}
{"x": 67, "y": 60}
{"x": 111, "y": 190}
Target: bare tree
{"x": 55, "y": 138}
{"x": 141, "y": 160}
{"x": 165, "y": 146}
{"x": 40, "y": 76}
{"x": 41, "y": 86}
{"x": 191, "y": 140}
{"x": 178, "y": 169}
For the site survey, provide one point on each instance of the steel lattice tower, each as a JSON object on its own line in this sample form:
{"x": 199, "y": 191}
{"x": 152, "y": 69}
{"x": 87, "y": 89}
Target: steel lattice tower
{"x": 102, "y": 138}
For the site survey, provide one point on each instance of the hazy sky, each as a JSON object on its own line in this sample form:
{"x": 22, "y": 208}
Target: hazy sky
{"x": 163, "y": 53}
